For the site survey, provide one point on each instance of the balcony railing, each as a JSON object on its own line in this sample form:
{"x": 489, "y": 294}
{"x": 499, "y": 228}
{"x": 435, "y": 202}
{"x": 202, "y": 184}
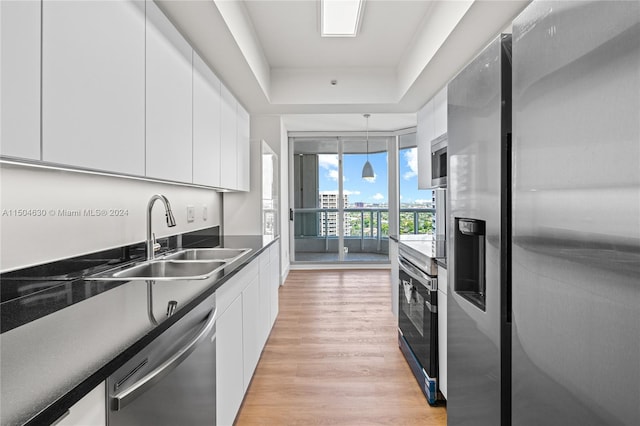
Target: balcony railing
{"x": 416, "y": 221}
{"x": 359, "y": 223}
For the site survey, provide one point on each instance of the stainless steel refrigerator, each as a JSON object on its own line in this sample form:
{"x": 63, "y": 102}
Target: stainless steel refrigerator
{"x": 576, "y": 214}
{"x": 479, "y": 128}
{"x": 544, "y": 259}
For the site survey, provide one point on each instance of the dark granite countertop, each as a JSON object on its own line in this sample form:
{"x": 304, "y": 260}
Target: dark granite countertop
{"x": 61, "y": 338}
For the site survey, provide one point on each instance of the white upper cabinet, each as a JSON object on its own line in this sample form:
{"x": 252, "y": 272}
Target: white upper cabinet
{"x": 168, "y": 99}
{"x": 243, "y": 147}
{"x": 432, "y": 123}
{"x": 440, "y": 112}
{"x": 20, "y": 87}
{"x": 93, "y": 84}
{"x": 425, "y": 132}
{"x": 206, "y": 124}
{"x": 114, "y": 86}
{"x": 229, "y": 136}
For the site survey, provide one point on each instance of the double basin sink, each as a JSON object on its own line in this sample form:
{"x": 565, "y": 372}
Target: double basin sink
{"x": 190, "y": 264}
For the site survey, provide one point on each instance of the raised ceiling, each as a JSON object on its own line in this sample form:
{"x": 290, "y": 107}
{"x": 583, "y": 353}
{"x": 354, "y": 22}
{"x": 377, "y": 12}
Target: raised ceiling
{"x": 290, "y": 37}
{"x": 269, "y": 53}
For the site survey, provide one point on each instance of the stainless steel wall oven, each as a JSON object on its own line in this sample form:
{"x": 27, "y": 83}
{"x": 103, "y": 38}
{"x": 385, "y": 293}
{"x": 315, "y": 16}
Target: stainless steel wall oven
{"x": 418, "y": 321}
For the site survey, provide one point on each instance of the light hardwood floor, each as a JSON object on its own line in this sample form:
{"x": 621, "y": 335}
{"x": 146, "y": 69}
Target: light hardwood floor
{"x": 333, "y": 357}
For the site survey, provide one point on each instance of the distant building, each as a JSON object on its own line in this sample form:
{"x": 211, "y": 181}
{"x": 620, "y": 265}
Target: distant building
{"x": 329, "y": 220}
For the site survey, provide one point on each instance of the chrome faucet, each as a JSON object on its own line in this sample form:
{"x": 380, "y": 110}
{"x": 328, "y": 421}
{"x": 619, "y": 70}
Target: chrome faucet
{"x": 171, "y": 222}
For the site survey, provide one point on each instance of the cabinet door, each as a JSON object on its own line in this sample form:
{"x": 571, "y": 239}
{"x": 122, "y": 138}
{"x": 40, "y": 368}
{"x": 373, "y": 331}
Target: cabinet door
{"x": 424, "y": 136}
{"x": 244, "y": 150}
{"x": 229, "y": 366}
{"x": 440, "y": 112}
{"x": 206, "y": 124}
{"x": 251, "y": 329}
{"x": 228, "y": 147}
{"x": 20, "y": 78}
{"x": 395, "y": 274}
{"x": 93, "y": 84}
{"x": 275, "y": 281}
{"x": 90, "y": 410}
{"x": 265, "y": 297}
{"x": 442, "y": 329}
{"x": 169, "y": 100}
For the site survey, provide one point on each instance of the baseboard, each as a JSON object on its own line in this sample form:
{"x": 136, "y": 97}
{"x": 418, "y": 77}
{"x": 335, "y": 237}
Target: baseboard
{"x": 285, "y": 274}
{"x": 321, "y": 266}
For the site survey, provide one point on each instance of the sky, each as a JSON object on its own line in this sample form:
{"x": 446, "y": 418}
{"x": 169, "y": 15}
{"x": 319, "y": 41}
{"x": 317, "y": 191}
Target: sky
{"x": 375, "y": 191}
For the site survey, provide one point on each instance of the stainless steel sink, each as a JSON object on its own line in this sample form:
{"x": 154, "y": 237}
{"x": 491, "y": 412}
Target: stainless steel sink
{"x": 219, "y": 254}
{"x": 191, "y": 264}
{"x": 163, "y": 270}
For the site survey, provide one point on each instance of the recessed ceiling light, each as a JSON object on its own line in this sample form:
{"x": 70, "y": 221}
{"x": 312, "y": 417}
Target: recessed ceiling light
{"x": 340, "y": 18}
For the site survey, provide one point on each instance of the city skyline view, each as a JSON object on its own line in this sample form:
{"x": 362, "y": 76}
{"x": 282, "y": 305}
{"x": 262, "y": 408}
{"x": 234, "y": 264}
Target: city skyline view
{"x": 374, "y": 191}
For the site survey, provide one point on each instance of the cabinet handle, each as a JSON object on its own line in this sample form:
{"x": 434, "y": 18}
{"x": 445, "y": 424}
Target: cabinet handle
{"x": 122, "y": 398}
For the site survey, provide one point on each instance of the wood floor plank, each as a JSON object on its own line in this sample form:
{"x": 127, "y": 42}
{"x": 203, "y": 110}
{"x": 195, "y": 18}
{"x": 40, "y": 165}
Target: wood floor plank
{"x": 333, "y": 358}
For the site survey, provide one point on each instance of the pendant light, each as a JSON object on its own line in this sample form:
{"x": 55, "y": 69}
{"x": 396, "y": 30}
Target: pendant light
{"x": 367, "y": 170}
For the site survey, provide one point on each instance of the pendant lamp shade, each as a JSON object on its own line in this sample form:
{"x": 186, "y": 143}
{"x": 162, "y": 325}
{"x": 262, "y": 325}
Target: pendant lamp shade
{"x": 367, "y": 170}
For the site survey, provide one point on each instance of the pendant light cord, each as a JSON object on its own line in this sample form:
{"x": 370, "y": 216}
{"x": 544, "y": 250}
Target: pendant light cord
{"x": 367, "y": 117}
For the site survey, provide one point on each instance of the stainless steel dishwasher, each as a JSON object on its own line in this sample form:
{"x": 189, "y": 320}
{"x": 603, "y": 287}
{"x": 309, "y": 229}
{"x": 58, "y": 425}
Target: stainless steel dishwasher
{"x": 172, "y": 381}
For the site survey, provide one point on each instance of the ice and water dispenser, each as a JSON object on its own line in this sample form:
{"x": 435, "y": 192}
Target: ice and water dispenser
{"x": 470, "y": 260}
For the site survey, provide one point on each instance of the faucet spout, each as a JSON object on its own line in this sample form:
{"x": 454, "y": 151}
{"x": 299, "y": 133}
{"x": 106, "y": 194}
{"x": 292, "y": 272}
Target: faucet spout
{"x": 171, "y": 221}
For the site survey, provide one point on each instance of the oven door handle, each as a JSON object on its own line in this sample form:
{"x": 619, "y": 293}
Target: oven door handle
{"x": 124, "y": 397}
{"x": 430, "y": 283}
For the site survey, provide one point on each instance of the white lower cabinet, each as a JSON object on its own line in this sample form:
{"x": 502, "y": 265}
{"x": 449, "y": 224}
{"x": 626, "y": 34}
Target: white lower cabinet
{"x": 242, "y": 328}
{"x": 229, "y": 365}
{"x": 442, "y": 329}
{"x": 251, "y": 329}
{"x": 274, "y": 282}
{"x": 265, "y": 297}
{"x": 90, "y": 410}
{"x": 395, "y": 274}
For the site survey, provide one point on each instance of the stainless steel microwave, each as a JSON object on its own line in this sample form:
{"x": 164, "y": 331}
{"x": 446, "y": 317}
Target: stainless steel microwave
{"x": 439, "y": 161}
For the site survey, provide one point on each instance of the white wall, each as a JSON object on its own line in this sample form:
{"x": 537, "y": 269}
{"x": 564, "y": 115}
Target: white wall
{"x": 243, "y": 210}
{"x": 284, "y": 202}
{"x": 32, "y": 240}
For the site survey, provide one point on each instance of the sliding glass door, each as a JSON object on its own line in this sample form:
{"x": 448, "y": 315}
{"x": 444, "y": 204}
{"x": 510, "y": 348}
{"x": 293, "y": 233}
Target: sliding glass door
{"x": 337, "y": 215}
{"x": 316, "y": 206}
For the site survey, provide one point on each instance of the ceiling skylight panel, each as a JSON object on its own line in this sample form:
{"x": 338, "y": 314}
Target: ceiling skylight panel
{"x": 340, "y": 18}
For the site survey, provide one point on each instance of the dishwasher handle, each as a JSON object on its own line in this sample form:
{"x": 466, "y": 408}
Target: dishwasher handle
{"x": 124, "y": 397}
